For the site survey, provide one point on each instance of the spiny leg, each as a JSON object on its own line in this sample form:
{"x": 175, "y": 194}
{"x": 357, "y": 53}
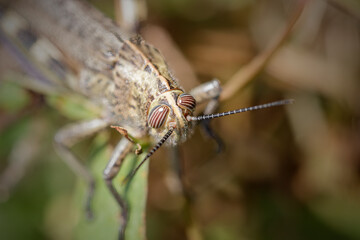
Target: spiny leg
{"x": 213, "y": 135}
{"x": 209, "y": 91}
{"x": 65, "y": 139}
{"x": 206, "y": 91}
{"x": 124, "y": 132}
{"x": 210, "y": 108}
{"x": 177, "y": 183}
{"x": 123, "y": 148}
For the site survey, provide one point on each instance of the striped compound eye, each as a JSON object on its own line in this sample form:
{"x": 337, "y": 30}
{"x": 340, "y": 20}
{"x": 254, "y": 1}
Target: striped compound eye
{"x": 158, "y": 116}
{"x": 186, "y": 101}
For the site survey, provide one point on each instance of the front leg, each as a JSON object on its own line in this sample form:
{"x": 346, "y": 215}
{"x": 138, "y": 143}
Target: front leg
{"x": 124, "y": 132}
{"x": 209, "y": 92}
{"x": 206, "y": 91}
{"x": 122, "y": 149}
{"x": 66, "y": 138}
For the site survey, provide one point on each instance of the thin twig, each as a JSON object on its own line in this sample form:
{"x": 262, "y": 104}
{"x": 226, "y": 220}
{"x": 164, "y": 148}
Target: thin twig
{"x": 249, "y": 71}
{"x": 345, "y": 8}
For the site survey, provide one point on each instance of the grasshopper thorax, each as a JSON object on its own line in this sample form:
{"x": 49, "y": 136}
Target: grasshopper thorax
{"x": 170, "y": 110}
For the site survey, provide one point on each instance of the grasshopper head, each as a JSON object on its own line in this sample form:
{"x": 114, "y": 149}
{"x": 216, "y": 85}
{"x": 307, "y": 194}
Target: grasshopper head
{"x": 170, "y": 117}
{"x": 170, "y": 111}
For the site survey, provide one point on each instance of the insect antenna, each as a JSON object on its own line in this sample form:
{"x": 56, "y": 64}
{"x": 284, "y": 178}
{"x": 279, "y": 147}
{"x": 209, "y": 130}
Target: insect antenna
{"x": 204, "y": 117}
{"x": 262, "y": 106}
{"x": 156, "y": 147}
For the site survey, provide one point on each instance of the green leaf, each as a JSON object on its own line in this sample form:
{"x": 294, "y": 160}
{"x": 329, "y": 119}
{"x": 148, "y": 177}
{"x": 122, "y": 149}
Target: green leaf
{"x": 106, "y": 220}
{"x": 74, "y": 107}
{"x": 135, "y": 192}
{"x": 12, "y": 97}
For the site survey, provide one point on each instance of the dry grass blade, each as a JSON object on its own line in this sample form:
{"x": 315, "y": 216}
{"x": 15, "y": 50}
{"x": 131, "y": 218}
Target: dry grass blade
{"x": 249, "y": 71}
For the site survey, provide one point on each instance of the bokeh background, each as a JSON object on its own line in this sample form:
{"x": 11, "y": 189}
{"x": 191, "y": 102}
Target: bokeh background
{"x": 284, "y": 173}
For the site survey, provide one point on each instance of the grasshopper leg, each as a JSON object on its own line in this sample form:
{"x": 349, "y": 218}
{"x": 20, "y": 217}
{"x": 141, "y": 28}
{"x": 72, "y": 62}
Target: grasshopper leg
{"x": 210, "y": 108}
{"x": 206, "y": 91}
{"x": 65, "y": 139}
{"x": 124, "y": 132}
{"x": 210, "y": 92}
{"x": 123, "y": 148}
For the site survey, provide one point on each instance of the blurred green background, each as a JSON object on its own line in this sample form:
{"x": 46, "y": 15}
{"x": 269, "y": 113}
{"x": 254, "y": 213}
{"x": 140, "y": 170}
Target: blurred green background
{"x": 285, "y": 173}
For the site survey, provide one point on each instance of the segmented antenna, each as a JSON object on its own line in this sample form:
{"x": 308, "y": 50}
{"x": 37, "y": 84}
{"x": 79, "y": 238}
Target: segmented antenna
{"x": 156, "y": 147}
{"x": 262, "y": 106}
{"x": 204, "y": 117}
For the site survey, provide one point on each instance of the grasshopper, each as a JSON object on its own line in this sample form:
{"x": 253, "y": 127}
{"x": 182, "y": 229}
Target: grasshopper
{"x": 75, "y": 48}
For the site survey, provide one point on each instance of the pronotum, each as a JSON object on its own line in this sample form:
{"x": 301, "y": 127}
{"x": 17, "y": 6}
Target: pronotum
{"x": 75, "y": 48}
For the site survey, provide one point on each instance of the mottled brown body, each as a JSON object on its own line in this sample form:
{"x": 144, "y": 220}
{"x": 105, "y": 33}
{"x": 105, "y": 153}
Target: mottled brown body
{"x": 68, "y": 46}
{"x": 88, "y": 54}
